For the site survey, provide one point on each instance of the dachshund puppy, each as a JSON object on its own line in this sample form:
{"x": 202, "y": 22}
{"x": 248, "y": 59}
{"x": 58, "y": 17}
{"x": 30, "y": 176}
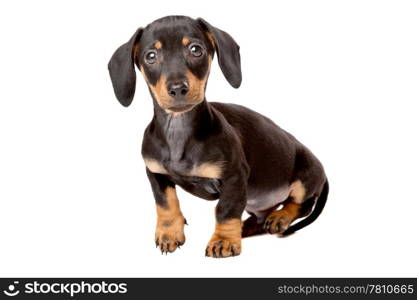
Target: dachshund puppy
{"x": 213, "y": 150}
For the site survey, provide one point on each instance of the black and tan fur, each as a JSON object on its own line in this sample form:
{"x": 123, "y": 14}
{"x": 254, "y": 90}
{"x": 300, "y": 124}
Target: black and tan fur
{"x": 213, "y": 150}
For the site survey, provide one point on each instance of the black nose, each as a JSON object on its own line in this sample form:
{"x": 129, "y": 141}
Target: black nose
{"x": 178, "y": 89}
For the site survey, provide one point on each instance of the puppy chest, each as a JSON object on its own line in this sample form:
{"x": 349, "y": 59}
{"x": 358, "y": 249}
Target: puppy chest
{"x": 185, "y": 167}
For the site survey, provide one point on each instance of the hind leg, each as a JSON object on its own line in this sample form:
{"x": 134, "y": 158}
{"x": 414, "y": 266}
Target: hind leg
{"x": 297, "y": 206}
{"x": 251, "y": 227}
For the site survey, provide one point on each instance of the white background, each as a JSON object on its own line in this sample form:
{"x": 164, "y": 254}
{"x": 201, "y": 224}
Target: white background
{"x": 74, "y": 198}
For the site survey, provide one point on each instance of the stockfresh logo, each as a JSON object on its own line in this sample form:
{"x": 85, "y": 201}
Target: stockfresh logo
{"x": 12, "y": 289}
{"x": 62, "y": 288}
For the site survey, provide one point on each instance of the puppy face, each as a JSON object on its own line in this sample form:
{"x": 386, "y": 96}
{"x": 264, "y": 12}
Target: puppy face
{"x": 174, "y": 56}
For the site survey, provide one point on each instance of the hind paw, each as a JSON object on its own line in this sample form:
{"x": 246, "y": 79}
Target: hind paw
{"x": 277, "y": 222}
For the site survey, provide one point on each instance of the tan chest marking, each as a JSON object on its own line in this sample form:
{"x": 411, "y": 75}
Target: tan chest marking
{"x": 208, "y": 170}
{"x": 154, "y": 166}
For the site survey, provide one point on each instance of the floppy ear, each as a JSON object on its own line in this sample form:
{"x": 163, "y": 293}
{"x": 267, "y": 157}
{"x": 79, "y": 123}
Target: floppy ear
{"x": 122, "y": 70}
{"x": 227, "y": 53}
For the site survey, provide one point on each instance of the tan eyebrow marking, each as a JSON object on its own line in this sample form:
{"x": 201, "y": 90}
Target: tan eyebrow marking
{"x": 158, "y": 45}
{"x": 185, "y": 41}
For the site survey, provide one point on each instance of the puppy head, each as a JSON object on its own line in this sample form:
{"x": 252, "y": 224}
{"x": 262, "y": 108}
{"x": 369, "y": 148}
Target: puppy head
{"x": 174, "y": 55}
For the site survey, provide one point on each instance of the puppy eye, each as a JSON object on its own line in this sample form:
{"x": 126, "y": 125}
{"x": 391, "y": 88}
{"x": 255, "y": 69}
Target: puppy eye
{"x": 150, "y": 57}
{"x": 196, "y": 50}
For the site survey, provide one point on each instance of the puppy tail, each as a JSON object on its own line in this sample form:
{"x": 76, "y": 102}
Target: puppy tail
{"x": 318, "y": 208}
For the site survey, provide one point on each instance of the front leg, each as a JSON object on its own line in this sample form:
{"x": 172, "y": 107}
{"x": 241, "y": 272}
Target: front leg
{"x": 169, "y": 234}
{"x": 226, "y": 239}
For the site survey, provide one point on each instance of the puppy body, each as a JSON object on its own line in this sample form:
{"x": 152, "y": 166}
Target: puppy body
{"x": 213, "y": 150}
{"x": 270, "y": 158}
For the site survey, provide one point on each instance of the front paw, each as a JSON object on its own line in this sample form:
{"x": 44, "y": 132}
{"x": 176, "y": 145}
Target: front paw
{"x": 169, "y": 234}
{"x": 223, "y": 247}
